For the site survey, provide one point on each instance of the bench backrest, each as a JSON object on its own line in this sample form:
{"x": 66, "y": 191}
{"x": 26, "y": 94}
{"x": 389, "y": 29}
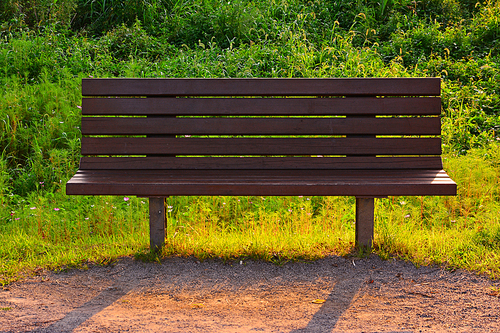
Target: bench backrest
{"x": 261, "y": 123}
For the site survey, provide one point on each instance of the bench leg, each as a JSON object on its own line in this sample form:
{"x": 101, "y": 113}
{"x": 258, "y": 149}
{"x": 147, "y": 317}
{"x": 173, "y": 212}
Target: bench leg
{"x": 156, "y": 223}
{"x": 364, "y": 222}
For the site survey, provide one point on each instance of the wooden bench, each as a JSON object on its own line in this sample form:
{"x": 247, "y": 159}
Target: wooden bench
{"x": 368, "y": 138}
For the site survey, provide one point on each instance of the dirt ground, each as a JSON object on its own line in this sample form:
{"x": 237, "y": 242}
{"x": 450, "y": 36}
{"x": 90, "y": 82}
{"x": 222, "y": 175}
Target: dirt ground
{"x": 184, "y": 295}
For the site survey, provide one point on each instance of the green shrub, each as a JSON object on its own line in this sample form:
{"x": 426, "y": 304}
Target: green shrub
{"x": 124, "y": 43}
{"x": 421, "y": 43}
{"x": 220, "y": 22}
{"x": 37, "y": 13}
{"x": 100, "y": 16}
{"x": 38, "y": 123}
{"x": 447, "y": 11}
{"x": 485, "y": 31}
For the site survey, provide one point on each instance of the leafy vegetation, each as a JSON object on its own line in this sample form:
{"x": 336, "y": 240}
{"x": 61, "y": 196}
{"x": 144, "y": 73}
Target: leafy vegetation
{"x": 47, "y": 46}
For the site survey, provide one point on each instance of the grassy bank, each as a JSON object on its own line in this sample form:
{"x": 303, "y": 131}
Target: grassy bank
{"x": 47, "y": 46}
{"x": 54, "y": 231}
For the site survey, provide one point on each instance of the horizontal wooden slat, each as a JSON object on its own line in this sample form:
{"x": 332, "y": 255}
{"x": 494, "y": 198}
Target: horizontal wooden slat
{"x": 260, "y": 163}
{"x": 262, "y": 87}
{"x": 261, "y": 182}
{"x": 261, "y": 146}
{"x": 262, "y": 106}
{"x": 261, "y": 126}
{"x": 358, "y": 174}
{"x": 284, "y": 176}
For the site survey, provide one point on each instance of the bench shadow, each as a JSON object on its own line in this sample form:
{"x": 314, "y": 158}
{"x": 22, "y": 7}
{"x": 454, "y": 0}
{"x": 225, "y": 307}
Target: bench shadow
{"x": 338, "y": 301}
{"x": 324, "y": 320}
{"x": 79, "y": 315}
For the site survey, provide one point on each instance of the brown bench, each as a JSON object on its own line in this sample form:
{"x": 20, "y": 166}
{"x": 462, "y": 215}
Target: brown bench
{"x": 368, "y": 138}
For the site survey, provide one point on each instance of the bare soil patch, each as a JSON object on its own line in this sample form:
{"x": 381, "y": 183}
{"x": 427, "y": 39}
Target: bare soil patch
{"x": 185, "y": 295}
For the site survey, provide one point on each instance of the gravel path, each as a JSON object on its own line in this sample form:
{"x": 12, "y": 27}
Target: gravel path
{"x": 184, "y": 295}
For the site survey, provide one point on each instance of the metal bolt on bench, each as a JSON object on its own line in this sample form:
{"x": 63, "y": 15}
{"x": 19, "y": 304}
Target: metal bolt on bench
{"x": 368, "y": 138}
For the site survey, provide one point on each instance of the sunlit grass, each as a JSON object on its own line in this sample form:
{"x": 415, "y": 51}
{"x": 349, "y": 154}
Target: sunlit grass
{"x": 457, "y": 232}
{"x": 271, "y": 228}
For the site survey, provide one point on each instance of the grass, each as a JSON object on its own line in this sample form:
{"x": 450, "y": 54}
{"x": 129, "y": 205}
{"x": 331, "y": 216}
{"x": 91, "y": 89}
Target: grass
{"x": 46, "y": 50}
{"x": 459, "y": 232}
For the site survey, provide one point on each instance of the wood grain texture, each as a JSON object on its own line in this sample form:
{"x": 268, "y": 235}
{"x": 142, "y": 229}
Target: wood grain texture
{"x": 364, "y": 222}
{"x": 263, "y": 87}
{"x": 260, "y": 163}
{"x": 156, "y": 223}
{"x": 262, "y": 106}
{"x": 258, "y": 182}
{"x": 260, "y": 126}
{"x": 261, "y": 146}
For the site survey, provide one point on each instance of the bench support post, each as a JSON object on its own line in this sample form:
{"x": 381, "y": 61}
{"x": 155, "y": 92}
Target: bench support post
{"x": 364, "y": 222}
{"x": 156, "y": 223}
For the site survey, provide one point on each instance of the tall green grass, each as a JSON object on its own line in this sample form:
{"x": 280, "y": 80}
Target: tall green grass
{"x": 48, "y": 46}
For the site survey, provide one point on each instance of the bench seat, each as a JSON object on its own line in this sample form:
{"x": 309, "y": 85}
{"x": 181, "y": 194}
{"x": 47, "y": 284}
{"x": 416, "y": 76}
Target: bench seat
{"x": 371, "y": 183}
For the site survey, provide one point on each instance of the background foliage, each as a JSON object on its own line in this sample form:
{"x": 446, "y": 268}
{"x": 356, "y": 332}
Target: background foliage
{"x": 48, "y": 46}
